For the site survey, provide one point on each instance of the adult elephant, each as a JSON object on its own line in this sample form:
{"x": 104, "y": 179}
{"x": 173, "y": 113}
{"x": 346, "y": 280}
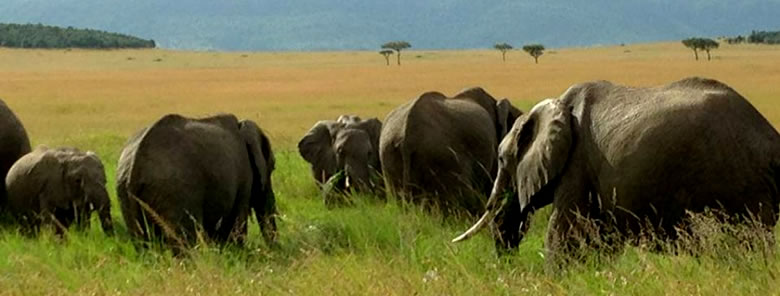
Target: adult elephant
{"x": 13, "y": 145}
{"x": 58, "y": 187}
{"x": 441, "y": 152}
{"x": 633, "y": 160}
{"x": 182, "y": 175}
{"x": 348, "y": 145}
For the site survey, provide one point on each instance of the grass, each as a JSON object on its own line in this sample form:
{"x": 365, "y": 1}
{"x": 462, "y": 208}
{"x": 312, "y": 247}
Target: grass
{"x": 95, "y": 99}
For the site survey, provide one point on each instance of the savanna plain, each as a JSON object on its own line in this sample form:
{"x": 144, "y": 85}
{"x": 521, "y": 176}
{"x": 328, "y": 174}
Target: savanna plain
{"x": 95, "y": 99}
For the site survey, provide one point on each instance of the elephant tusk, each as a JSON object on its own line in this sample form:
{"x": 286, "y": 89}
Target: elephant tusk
{"x": 490, "y": 211}
{"x": 476, "y": 227}
{"x": 347, "y": 183}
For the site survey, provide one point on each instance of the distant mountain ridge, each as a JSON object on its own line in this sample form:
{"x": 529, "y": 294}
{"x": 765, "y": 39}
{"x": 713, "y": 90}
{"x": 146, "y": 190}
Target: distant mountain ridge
{"x": 365, "y": 24}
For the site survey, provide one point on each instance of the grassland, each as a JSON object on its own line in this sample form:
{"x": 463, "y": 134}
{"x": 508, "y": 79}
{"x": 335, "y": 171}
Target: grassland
{"x": 95, "y": 99}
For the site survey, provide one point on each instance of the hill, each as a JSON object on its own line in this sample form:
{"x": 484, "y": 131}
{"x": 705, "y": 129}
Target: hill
{"x": 357, "y": 24}
{"x": 41, "y": 36}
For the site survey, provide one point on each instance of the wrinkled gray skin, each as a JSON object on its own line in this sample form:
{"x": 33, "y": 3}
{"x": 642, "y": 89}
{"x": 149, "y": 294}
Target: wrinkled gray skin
{"x": 441, "y": 152}
{"x": 348, "y": 145}
{"x": 618, "y": 156}
{"x": 13, "y": 145}
{"x": 58, "y": 187}
{"x": 190, "y": 175}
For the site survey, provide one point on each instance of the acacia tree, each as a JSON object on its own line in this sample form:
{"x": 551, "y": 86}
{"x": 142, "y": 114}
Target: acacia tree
{"x": 707, "y": 45}
{"x": 694, "y": 44}
{"x": 535, "y": 50}
{"x": 387, "y": 54}
{"x": 397, "y": 46}
{"x": 503, "y": 47}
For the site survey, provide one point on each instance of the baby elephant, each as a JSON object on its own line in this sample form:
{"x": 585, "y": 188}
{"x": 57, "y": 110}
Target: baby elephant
{"x": 58, "y": 187}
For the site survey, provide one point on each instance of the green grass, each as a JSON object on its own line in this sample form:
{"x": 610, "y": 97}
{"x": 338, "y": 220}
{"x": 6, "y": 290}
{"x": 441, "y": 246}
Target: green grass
{"x": 370, "y": 248}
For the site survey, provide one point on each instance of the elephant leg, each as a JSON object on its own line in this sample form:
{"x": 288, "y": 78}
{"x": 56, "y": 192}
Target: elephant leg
{"x": 234, "y": 228}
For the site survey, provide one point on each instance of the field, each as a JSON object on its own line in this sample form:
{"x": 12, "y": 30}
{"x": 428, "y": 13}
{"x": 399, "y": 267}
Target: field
{"x": 96, "y": 99}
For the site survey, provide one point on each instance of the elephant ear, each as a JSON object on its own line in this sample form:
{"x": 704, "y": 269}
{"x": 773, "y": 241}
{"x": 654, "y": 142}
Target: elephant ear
{"x": 259, "y": 150}
{"x": 544, "y": 139}
{"x": 480, "y": 96}
{"x": 372, "y": 127}
{"x": 316, "y": 147}
{"x": 506, "y": 114}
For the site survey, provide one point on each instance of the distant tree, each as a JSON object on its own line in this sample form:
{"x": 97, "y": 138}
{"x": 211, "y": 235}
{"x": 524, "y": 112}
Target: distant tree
{"x": 503, "y": 47}
{"x": 535, "y": 50}
{"x": 694, "y": 44}
{"x": 708, "y": 44}
{"x": 387, "y": 54}
{"x": 397, "y": 46}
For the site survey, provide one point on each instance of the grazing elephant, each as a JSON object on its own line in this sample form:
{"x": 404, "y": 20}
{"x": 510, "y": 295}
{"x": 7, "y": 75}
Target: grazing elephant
{"x": 181, "y": 176}
{"x": 13, "y": 145}
{"x": 633, "y": 160}
{"x": 441, "y": 152}
{"x": 58, "y": 187}
{"x": 349, "y": 145}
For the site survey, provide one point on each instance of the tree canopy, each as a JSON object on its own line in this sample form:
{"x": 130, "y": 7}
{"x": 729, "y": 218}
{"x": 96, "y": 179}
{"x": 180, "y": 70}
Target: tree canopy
{"x": 696, "y": 44}
{"x": 503, "y": 47}
{"x": 386, "y": 53}
{"x": 42, "y": 36}
{"x": 397, "y": 46}
{"x": 535, "y": 50}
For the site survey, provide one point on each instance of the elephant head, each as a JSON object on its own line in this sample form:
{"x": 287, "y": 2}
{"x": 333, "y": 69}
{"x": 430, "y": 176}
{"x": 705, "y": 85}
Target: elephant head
{"x": 501, "y": 111}
{"x": 348, "y": 145}
{"x": 85, "y": 177}
{"x": 261, "y": 157}
{"x": 531, "y": 157}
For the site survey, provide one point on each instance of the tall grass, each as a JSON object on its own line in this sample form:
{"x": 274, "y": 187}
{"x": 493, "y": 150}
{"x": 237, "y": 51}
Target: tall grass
{"x": 368, "y": 248}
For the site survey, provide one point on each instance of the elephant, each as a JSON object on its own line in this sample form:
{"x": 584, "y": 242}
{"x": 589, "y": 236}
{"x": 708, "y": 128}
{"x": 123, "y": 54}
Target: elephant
{"x": 349, "y": 145}
{"x": 14, "y": 143}
{"x": 182, "y": 176}
{"x": 58, "y": 187}
{"x": 440, "y": 152}
{"x": 633, "y": 162}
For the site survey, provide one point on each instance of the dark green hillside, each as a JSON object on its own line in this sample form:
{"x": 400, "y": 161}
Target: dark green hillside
{"x": 42, "y": 36}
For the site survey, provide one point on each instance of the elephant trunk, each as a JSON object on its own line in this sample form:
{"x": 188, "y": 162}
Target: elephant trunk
{"x": 105, "y": 220}
{"x": 492, "y": 208}
{"x": 356, "y": 178}
{"x": 102, "y": 205}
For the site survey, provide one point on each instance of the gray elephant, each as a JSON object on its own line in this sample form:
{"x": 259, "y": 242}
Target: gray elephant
{"x": 58, "y": 187}
{"x": 633, "y": 160}
{"x": 183, "y": 176}
{"x": 441, "y": 152}
{"x": 13, "y": 145}
{"x": 348, "y": 145}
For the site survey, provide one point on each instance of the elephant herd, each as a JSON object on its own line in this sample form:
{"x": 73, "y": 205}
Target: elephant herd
{"x": 630, "y": 159}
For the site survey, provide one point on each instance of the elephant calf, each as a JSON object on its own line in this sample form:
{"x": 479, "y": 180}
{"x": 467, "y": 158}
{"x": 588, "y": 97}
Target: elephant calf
{"x": 58, "y": 187}
{"x": 348, "y": 145}
{"x": 181, "y": 176}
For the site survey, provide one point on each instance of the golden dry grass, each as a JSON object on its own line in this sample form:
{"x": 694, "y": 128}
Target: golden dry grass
{"x": 60, "y": 94}
{"x": 95, "y": 99}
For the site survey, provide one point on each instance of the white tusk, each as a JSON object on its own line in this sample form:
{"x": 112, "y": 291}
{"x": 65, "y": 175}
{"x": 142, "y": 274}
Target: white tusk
{"x": 476, "y": 227}
{"x": 346, "y": 182}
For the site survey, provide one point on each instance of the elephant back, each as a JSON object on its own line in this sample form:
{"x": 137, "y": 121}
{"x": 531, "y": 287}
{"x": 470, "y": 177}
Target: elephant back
{"x": 14, "y": 143}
